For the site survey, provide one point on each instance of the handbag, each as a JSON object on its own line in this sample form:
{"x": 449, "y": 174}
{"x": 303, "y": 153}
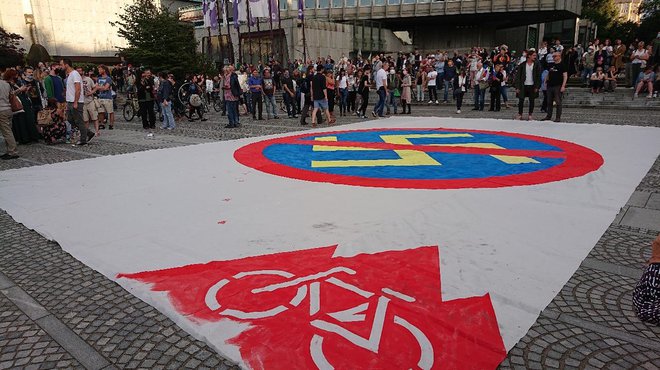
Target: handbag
{"x": 44, "y": 117}
{"x": 15, "y": 103}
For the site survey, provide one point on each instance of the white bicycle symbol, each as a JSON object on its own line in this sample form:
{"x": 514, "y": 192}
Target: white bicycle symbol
{"x": 310, "y": 285}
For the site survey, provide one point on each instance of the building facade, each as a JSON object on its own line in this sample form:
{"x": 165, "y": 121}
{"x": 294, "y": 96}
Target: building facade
{"x": 79, "y": 29}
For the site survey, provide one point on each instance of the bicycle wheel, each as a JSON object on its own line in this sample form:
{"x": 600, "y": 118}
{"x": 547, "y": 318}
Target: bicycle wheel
{"x": 128, "y": 112}
{"x": 217, "y": 105}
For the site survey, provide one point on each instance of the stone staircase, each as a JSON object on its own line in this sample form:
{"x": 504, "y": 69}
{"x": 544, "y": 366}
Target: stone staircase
{"x": 581, "y": 97}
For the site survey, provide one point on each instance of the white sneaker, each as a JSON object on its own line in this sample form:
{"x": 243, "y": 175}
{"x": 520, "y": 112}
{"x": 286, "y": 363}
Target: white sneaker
{"x": 636, "y": 95}
{"x": 430, "y": 102}
{"x": 436, "y": 102}
{"x": 458, "y": 111}
{"x": 649, "y": 96}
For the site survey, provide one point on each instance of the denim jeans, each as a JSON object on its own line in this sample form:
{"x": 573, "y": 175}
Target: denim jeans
{"x": 420, "y": 93}
{"x": 479, "y": 97}
{"x": 449, "y": 86}
{"x": 232, "y": 112}
{"x": 393, "y": 102}
{"x": 271, "y": 105}
{"x": 289, "y": 104}
{"x": 168, "y": 117}
{"x": 586, "y": 74}
{"x": 343, "y": 99}
{"x": 380, "y": 105}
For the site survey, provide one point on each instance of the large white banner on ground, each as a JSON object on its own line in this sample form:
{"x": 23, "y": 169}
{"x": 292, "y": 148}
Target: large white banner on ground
{"x": 407, "y": 241}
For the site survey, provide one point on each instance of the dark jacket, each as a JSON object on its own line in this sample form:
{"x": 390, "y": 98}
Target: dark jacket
{"x": 165, "y": 91}
{"x": 520, "y": 77}
{"x": 234, "y": 85}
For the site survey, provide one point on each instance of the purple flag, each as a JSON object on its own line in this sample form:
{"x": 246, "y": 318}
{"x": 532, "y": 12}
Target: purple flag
{"x": 274, "y": 10}
{"x": 301, "y": 9}
{"x": 236, "y": 22}
{"x": 213, "y": 14}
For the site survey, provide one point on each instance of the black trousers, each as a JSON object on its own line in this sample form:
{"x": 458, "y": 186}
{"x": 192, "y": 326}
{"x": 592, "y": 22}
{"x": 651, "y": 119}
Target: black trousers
{"x": 526, "y": 92}
{"x": 148, "y": 114}
{"x": 495, "y": 99}
{"x": 352, "y": 95}
{"x": 554, "y": 95}
{"x": 459, "y": 100}
{"x": 365, "y": 102}
{"x": 257, "y": 105}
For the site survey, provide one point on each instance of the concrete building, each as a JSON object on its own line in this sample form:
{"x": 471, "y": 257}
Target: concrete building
{"x": 349, "y": 27}
{"x": 628, "y": 10}
{"x": 79, "y": 29}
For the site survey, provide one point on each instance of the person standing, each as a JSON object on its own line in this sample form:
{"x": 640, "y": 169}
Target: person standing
{"x": 54, "y": 85}
{"x": 5, "y": 120}
{"x": 449, "y": 75}
{"x": 556, "y": 85}
{"x": 104, "y": 87}
{"x": 646, "y": 296}
{"x": 432, "y": 80}
{"x": 165, "y": 96}
{"x": 495, "y": 86}
{"x": 480, "y": 84}
{"x": 527, "y": 83}
{"x": 406, "y": 92}
{"x": 381, "y": 90}
{"x": 320, "y": 95}
{"x": 638, "y": 60}
{"x": 268, "y": 89}
{"x": 90, "y": 113}
{"x": 289, "y": 94}
{"x": 231, "y": 92}
{"x": 145, "y": 94}
{"x": 305, "y": 84}
{"x": 75, "y": 101}
{"x": 394, "y": 85}
{"x": 363, "y": 89}
{"x": 342, "y": 84}
{"x": 460, "y": 87}
{"x": 256, "y": 87}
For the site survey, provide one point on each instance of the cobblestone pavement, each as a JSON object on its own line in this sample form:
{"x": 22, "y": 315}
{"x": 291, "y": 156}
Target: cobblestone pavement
{"x": 55, "y": 312}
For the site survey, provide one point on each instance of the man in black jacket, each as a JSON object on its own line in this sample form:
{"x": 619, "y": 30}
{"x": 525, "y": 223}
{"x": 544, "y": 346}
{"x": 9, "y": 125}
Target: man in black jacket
{"x": 305, "y": 84}
{"x": 528, "y": 82}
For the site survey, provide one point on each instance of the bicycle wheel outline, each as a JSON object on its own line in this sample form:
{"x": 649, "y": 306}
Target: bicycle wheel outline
{"x": 211, "y": 297}
{"x": 128, "y": 107}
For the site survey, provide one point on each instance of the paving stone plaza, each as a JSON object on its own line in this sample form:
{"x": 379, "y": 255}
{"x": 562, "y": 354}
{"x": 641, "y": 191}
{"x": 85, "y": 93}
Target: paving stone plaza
{"x": 55, "y": 312}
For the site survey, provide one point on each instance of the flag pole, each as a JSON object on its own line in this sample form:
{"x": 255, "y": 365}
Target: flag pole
{"x": 301, "y": 15}
{"x": 270, "y": 21}
{"x": 230, "y": 45}
{"x": 249, "y": 22}
{"x": 219, "y": 28}
{"x": 280, "y": 30}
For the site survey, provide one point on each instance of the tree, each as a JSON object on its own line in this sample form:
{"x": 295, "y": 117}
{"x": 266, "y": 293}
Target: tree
{"x": 603, "y": 12}
{"x": 157, "y": 38}
{"x": 11, "y": 54}
{"x": 650, "y": 25}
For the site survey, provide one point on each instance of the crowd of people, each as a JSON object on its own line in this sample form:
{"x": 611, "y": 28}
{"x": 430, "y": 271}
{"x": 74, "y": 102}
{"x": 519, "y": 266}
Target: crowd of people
{"x": 59, "y": 103}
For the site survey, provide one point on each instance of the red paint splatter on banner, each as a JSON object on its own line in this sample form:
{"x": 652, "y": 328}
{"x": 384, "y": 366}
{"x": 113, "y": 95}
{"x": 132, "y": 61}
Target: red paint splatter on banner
{"x": 308, "y": 309}
{"x": 226, "y": 199}
{"x": 222, "y": 222}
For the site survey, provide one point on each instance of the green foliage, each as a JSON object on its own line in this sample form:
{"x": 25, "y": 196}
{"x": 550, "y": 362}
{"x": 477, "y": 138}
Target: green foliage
{"x": 603, "y": 12}
{"x": 649, "y": 8}
{"x": 10, "y": 53}
{"x": 157, "y": 38}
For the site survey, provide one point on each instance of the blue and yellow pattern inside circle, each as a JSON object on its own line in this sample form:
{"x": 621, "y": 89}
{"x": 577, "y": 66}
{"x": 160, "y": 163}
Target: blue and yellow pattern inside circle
{"x": 412, "y": 164}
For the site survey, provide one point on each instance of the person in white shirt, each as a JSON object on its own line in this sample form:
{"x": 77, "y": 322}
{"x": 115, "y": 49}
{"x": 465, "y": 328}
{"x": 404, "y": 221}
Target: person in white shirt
{"x": 381, "y": 90}
{"x": 480, "y": 85}
{"x": 431, "y": 77}
{"x": 75, "y": 101}
{"x": 638, "y": 60}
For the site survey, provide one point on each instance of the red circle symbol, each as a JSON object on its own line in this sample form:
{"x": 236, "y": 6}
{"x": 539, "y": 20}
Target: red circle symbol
{"x": 471, "y": 158}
